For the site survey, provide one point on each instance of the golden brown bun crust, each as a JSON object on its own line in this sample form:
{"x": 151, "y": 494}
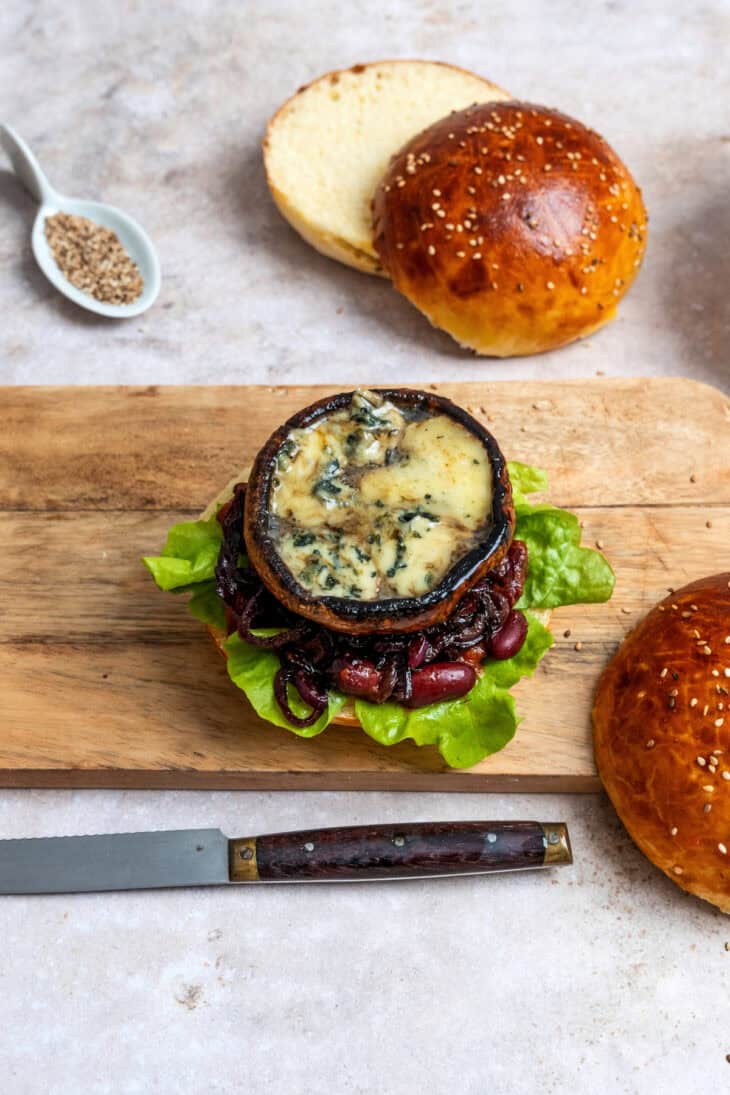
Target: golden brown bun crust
{"x": 651, "y": 738}
{"x": 552, "y": 232}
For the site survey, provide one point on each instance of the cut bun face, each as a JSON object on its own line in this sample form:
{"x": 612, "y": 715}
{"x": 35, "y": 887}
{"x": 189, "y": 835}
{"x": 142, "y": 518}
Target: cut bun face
{"x": 510, "y": 226}
{"x": 346, "y": 716}
{"x": 327, "y": 147}
{"x": 660, "y": 724}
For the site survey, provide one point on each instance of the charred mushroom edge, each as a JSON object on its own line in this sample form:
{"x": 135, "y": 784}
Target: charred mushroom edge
{"x": 389, "y": 614}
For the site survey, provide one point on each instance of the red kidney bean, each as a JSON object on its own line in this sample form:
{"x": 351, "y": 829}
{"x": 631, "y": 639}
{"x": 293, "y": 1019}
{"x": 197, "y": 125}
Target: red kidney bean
{"x": 359, "y": 678}
{"x": 509, "y": 639}
{"x": 442, "y": 681}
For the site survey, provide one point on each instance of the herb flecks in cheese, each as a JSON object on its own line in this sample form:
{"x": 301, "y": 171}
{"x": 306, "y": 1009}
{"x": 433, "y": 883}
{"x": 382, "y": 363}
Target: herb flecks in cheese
{"x": 374, "y": 502}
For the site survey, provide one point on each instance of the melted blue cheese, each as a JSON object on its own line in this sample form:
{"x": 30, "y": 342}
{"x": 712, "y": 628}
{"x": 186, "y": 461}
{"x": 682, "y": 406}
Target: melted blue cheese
{"x": 368, "y": 504}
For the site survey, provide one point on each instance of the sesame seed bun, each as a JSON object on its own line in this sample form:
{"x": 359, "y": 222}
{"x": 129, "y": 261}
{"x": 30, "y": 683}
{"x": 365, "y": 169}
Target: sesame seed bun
{"x": 511, "y": 226}
{"x": 326, "y": 148}
{"x": 660, "y": 722}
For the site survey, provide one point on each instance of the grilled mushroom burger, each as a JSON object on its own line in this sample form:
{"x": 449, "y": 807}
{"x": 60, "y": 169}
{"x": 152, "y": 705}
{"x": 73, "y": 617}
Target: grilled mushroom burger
{"x": 369, "y": 568}
{"x": 378, "y": 530}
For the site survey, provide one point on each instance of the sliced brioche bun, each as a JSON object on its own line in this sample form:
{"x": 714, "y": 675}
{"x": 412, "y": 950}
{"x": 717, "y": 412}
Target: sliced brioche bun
{"x": 347, "y": 716}
{"x": 327, "y": 147}
{"x": 511, "y": 226}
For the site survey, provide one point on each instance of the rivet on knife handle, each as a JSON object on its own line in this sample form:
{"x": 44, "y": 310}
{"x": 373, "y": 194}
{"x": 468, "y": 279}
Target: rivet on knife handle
{"x": 415, "y": 850}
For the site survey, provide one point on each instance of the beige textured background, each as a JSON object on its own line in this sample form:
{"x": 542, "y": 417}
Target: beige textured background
{"x": 598, "y": 978}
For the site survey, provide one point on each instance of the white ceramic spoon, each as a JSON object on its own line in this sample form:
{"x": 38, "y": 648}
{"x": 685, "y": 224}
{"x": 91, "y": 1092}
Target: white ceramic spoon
{"x": 133, "y": 238}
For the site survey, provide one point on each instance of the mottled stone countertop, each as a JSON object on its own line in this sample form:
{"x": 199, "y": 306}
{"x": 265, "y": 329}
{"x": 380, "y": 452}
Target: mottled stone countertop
{"x": 601, "y": 977}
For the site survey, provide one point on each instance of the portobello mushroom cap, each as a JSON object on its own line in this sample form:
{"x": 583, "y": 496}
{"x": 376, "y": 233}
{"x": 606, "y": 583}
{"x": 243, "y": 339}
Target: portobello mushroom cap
{"x": 393, "y": 613}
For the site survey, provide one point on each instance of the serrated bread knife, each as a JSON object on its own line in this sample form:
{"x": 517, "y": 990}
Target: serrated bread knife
{"x": 205, "y": 857}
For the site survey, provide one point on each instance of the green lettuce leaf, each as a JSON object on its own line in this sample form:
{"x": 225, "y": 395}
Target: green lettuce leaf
{"x": 560, "y": 571}
{"x": 206, "y": 605}
{"x": 253, "y": 670}
{"x": 525, "y": 480}
{"x": 188, "y": 557}
{"x": 469, "y": 729}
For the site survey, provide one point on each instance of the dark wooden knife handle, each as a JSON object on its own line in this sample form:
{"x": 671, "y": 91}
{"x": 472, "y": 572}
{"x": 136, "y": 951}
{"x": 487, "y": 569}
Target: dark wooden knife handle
{"x": 399, "y": 851}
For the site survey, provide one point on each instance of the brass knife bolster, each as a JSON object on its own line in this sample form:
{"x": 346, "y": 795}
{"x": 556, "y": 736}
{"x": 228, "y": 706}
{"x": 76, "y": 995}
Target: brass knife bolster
{"x": 242, "y": 866}
{"x": 557, "y": 843}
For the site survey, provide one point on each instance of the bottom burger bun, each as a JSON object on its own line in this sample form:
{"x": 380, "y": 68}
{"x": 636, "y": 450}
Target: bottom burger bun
{"x": 347, "y": 716}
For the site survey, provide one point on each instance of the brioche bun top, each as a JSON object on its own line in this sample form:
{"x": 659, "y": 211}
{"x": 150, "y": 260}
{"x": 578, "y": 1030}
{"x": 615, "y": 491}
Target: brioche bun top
{"x": 661, "y": 723}
{"x": 511, "y": 226}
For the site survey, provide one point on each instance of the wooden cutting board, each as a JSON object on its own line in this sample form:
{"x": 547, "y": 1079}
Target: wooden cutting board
{"x": 105, "y": 682}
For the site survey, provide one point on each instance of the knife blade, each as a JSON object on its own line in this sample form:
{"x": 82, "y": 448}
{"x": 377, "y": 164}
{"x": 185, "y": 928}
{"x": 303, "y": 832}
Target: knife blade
{"x": 205, "y": 857}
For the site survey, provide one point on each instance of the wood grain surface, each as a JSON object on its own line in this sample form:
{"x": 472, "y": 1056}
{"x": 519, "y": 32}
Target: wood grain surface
{"x": 106, "y": 682}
